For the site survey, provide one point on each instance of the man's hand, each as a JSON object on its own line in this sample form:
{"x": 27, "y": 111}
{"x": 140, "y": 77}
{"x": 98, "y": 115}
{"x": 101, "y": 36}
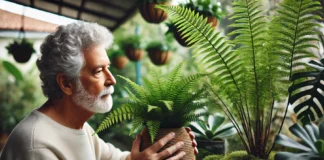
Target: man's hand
{"x": 151, "y": 152}
{"x": 192, "y": 136}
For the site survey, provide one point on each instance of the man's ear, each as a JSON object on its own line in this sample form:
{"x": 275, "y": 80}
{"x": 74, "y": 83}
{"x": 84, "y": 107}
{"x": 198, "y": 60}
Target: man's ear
{"x": 65, "y": 85}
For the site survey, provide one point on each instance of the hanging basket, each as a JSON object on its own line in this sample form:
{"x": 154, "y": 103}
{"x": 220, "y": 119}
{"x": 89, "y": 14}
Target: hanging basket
{"x": 120, "y": 62}
{"x": 21, "y": 50}
{"x": 180, "y": 135}
{"x": 134, "y": 54}
{"x": 152, "y": 14}
{"x": 159, "y": 57}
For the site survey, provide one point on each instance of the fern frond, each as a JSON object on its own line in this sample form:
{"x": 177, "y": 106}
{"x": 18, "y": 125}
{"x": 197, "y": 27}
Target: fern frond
{"x": 122, "y": 113}
{"x": 137, "y": 122}
{"x": 142, "y": 93}
{"x": 153, "y": 127}
{"x": 206, "y": 42}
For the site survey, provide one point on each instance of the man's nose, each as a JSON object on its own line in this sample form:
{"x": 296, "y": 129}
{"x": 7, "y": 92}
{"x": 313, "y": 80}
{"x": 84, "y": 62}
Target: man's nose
{"x": 110, "y": 79}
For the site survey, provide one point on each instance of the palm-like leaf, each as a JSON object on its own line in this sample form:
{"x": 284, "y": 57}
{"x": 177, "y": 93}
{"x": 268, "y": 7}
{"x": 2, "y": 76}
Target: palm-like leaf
{"x": 311, "y": 87}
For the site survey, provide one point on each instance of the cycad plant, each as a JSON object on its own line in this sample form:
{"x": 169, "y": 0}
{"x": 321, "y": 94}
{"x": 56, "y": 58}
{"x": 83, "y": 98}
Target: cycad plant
{"x": 165, "y": 102}
{"x": 254, "y": 70}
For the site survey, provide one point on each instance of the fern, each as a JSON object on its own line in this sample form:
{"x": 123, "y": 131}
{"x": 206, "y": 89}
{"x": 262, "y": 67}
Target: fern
{"x": 254, "y": 70}
{"x": 120, "y": 114}
{"x": 164, "y": 102}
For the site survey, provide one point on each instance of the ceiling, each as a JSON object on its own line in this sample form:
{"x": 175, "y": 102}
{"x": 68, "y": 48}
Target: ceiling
{"x": 109, "y": 13}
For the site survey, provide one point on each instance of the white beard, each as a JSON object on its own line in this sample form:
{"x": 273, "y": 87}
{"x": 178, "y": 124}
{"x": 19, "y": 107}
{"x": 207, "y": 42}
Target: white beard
{"x": 91, "y": 102}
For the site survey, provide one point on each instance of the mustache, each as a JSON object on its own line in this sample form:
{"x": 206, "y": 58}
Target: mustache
{"x": 108, "y": 90}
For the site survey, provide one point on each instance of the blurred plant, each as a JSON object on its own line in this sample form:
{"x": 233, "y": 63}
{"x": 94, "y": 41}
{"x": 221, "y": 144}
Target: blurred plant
{"x": 206, "y": 7}
{"x": 133, "y": 41}
{"x": 18, "y": 98}
{"x": 311, "y": 147}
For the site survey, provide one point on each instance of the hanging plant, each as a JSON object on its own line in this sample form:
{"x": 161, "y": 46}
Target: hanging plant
{"x": 150, "y": 13}
{"x": 21, "y": 50}
{"x": 133, "y": 48}
{"x": 159, "y": 52}
{"x": 209, "y": 9}
{"x": 118, "y": 58}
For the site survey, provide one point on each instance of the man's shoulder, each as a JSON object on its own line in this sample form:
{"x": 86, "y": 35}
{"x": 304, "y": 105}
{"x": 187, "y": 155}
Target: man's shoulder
{"x": 22, "y": 134}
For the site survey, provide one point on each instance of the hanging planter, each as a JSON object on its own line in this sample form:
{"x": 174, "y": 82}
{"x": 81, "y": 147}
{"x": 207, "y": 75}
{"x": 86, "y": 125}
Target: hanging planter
{"x": 150, "y": 13}
{"x": 21, "y": 50}
{"x": 210, "y": 10}
{"x": 118, "y": 58}
{"x": 132, "y": 48}
{"x": 159, "y": 53}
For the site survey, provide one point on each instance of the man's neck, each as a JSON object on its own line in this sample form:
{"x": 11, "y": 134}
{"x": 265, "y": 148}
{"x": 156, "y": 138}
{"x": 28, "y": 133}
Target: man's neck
{"x": 65, "y": 112}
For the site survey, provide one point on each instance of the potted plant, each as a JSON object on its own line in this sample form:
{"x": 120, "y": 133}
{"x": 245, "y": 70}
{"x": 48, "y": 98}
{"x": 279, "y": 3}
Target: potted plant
{"x": 132, "y": 47}
{"x": 21, "y": 50}
{"x": 118, "y": 58}
{"x": 252, "y": 72}
{"x": 159, "y": 52}
{"x": 150, "y": 13}
{"x": 209, "y": 9}
{"x": 211, "y": 132}
{"x": 164, "y": 105}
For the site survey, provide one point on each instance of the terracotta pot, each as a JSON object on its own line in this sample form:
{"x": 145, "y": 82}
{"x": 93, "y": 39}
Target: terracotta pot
{"x": 180, "y": 135}
{"x": 214, "y": 147}
{"x": 182, "y": 41}
{"x": 120, "y": 62}
{"x": 134, "y": 54}
{"x": 159, "y": 57}
{"x": 152, "y": 14}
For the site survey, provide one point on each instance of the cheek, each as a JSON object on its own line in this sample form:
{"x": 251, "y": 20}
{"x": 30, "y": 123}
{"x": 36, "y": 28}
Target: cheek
{"x": 94, "y": 87}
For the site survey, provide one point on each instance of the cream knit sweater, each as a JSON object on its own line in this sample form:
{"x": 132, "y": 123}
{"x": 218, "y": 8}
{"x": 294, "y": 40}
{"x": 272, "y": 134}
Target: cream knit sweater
{"x": 38, "y": 137}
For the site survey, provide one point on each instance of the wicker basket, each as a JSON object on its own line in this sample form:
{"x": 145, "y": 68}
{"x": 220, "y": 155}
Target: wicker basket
{"x": 180, "y": 135}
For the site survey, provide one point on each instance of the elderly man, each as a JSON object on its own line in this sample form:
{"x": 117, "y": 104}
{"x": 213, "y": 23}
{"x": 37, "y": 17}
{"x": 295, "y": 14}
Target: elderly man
{"x": 74, "y": 69}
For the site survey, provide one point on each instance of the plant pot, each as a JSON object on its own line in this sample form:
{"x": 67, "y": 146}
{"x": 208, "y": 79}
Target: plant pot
{"x": 22, "y": 56}
{"x": 214, "y": 147}
{"x": 3, "y": 140}
{"x": 182, "y": 41}
{"x": 180, "y": 135}
{"x": 120, "y": 62}
{"x": 134, "y": 54}
{"x": 159, "y": 57}
{"x": 152, "y": 14}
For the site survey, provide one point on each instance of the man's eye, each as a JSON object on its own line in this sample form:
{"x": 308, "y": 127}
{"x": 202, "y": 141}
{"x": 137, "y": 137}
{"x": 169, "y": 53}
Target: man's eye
{"x": 99, "y": 71}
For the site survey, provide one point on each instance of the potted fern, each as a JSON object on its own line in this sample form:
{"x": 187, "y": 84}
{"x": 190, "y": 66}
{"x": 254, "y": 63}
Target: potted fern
{"x": 21, "y": 50}
{"x": 159, "y": 52}
{"x": 211, "y": 133}
{"x": 248, "y": 80}
{"x": 150, "y": 13}
{"x": 163, "y": 105}
{"x": 118, "y": 58}
{"x": 132, "y": 47}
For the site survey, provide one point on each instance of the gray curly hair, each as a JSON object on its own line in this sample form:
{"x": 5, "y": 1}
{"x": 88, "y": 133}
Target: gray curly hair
{"x": 62, "y": 53}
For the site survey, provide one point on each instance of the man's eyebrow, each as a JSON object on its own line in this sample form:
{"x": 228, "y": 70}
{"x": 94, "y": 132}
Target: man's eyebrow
{"x": 100, "y": 66}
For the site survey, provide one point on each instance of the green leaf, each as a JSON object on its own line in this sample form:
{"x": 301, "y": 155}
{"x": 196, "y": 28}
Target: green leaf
{"x": 13, "y": 70}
